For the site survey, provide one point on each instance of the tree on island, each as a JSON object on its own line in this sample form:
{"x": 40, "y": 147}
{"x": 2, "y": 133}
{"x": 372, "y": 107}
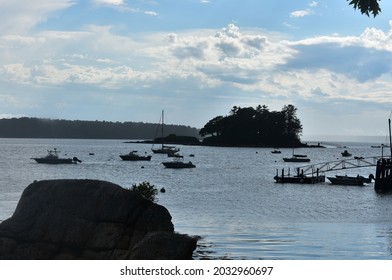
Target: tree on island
{"x": 254, "y": 127}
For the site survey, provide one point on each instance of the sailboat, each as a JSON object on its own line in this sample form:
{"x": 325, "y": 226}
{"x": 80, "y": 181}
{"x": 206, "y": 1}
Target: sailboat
{"x": 297, "y": 158}
{"x": 164, "y": 149}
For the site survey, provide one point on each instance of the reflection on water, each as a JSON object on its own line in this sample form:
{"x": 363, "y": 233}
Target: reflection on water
{"x": 230, "y": 199}
{"x": 300, "y": 241}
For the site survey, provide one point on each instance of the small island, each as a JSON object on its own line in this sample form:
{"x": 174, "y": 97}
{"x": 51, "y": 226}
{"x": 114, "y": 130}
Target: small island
{"x": 254, "y": 127}
{"x": 246, "y": 127}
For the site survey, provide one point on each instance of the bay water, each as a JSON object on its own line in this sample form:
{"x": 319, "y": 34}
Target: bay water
{"x": 230, "y": 200}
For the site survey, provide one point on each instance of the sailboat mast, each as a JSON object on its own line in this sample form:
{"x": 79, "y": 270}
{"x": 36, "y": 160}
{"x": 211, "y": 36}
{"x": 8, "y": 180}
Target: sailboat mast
{"x": 390, "y": 140}
{"x": 163, "y": 121}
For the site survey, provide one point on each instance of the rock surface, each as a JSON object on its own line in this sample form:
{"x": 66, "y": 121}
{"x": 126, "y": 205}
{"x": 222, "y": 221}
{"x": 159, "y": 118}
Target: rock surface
{"x": 90, "y": 219}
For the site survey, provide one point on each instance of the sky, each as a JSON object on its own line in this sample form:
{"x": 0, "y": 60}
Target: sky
{"x": 120, "y": 60}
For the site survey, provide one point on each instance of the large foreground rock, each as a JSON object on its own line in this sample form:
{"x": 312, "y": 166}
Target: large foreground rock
{"x": 90, "y": 219}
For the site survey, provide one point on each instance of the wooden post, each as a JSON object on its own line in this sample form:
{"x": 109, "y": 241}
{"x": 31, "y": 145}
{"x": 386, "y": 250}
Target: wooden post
{"x": 390, "y": 139}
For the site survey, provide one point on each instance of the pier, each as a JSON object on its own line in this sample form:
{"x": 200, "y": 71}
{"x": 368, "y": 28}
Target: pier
{"x": 310, "y": 174}
{"x": 339, "y": 165}
{"x": 299, "y": 178}
{"x": 383, "y": 179}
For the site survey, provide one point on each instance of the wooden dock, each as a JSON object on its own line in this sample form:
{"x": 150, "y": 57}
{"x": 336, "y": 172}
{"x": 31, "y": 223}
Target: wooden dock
{"x": 383, "y": 179}
{"x": 299, "y": 178}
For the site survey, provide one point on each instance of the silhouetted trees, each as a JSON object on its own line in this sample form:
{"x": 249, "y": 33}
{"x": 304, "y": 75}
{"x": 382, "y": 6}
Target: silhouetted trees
{"x": 366, "y": 6}
{"x": 254, "y": 127}
{"x": 47, "y": 128}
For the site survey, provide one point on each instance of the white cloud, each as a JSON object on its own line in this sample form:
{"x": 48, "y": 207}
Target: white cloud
{"x": 9, "y": 116}
{"x": 109, "y": 2}
{"x": 229, "y": 63}
{"x": 247, "y": 60}
{"x": 301, "y": 13}
{"x": 122, "y": 6}
{"x": 151, "y": 13}
{"x": 17, "y": 17}
{"x": 306, "y": 12}
{"x": 16, "y": 72}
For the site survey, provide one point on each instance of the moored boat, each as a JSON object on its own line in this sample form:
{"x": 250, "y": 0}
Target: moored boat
{"x": 53, "y": 158}
{"x": 346, "y": 154}
{"x": 178, "y": 164}
{"x": 134, "y": 156}
{"x": 175, "y": 155}
{"x": 350, "y": 180}
{"x": 164, "y": 149}
{"x": 297, "y": 158}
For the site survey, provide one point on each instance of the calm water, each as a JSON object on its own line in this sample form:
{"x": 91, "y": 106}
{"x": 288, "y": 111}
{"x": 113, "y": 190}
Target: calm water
{"x": 230, "y": 199}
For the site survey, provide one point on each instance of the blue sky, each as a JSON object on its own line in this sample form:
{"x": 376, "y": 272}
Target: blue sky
{"x": 120, "y": 60}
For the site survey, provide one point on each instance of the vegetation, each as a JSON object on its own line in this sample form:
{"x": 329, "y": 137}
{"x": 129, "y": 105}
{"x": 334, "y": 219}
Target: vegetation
{"x": 174, "y": 139}
{"x": 254, "y": 127}
{"x": 366, "y": 6}
{"x": 47, "y": 128}
{"x": 147, "y": 190}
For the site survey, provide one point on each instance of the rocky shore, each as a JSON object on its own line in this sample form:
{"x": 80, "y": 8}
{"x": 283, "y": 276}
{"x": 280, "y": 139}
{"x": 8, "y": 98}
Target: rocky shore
{"x": 90, "y": 219}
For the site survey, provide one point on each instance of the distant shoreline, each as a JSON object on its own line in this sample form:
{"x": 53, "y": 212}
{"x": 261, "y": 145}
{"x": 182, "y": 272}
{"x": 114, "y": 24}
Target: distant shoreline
{"x": 220, "y": 145}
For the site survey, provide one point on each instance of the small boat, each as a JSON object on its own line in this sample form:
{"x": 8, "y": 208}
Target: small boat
{"x": 178, "y": 164}
{"x": 164, "y": 149}
{"x": 53, "y": 158}
{"x": 350, "y": 180}
{"x": 276, "y": 151}
{"x": 297, "y": 158}
{"x": 134, "y": 156}
{"x": 346, "y": 154}
{"x": 175, "y": 155}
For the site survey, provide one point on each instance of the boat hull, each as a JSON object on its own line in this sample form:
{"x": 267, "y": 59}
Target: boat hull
{"x": 133, "y": 158}
{"x": 347, "y": 181}
{"x": 294, "y": 159}
{"x": 178, "y": 165}
{"x": 165, "y": 151}
{"x": 55, "y": 161}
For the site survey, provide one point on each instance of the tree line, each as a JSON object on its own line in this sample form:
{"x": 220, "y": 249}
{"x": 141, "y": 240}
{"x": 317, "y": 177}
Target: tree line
{"x": 254, "y": 127}
{"x": 49, "y": 128}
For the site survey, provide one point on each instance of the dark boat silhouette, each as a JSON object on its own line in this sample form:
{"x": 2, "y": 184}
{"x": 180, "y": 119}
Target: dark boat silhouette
{"x": 53, "y": 158}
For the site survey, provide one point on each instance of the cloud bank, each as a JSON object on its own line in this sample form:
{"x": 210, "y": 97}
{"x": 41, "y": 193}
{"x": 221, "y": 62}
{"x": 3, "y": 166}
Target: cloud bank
{"x": 232, "y": 65}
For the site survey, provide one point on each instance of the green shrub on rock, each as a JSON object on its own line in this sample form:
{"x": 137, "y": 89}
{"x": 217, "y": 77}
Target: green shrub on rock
{"x": 147, "y": 190}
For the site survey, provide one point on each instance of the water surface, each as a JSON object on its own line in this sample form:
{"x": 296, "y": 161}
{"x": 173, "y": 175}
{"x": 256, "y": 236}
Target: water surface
{"x": 230, "y": 199}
